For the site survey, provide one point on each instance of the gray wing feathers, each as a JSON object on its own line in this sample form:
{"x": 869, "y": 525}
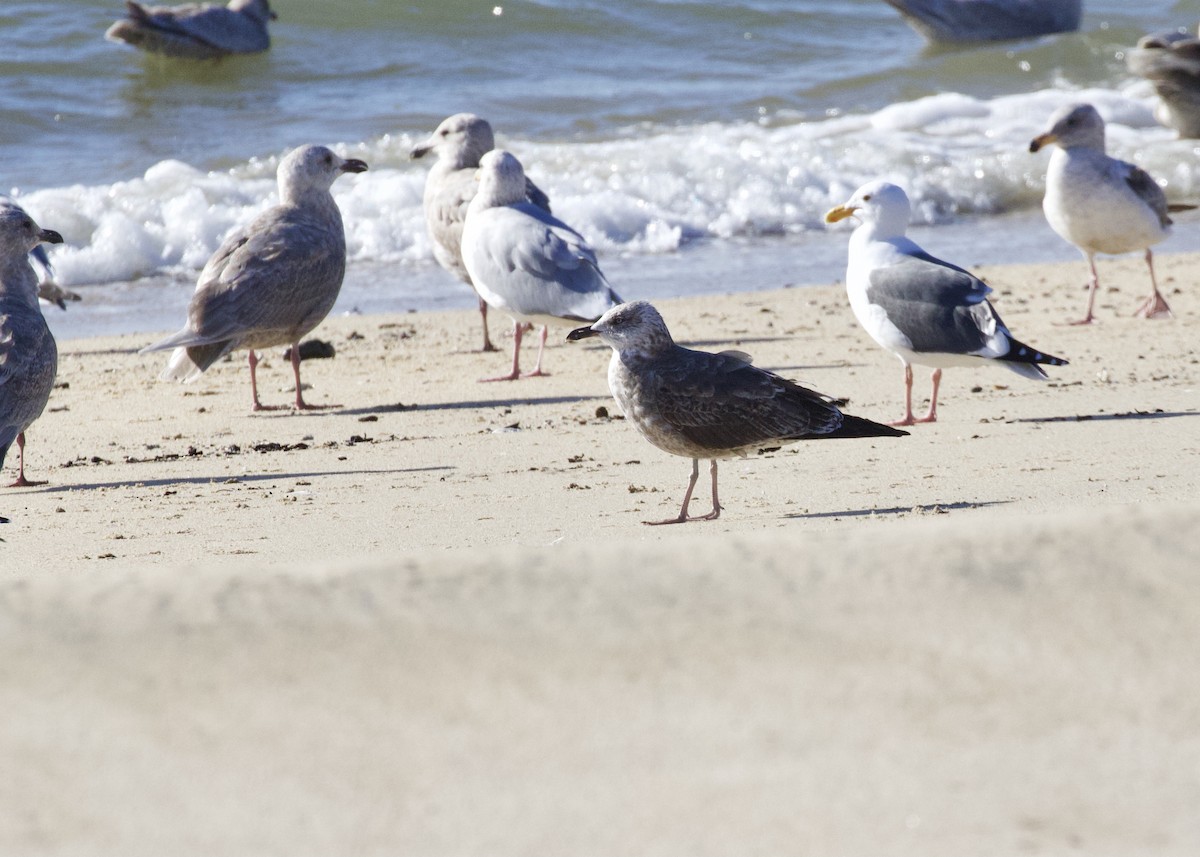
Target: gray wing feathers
{"x": 216, "y": 26}
{"x": 540, "y": 265}
{"x": 940, "y": 308}
{"x": 721, "y": 402}
{"x": 1147, "y": 190}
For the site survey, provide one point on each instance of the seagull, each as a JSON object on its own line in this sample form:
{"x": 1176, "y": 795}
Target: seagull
{"x": 195, "y": 30}
{"x": 458, "y": 143}
{"x": 1101, "y": 204}
{"x": 527, "y": 262}
{"x": 273, "y": 281}
{"x": 702, "y": 405}
{"x": 1171, "y": 61}
{"x": 918, "y": 307}
{"x": 988, "y": 20}
{"x": 28, "y": 354}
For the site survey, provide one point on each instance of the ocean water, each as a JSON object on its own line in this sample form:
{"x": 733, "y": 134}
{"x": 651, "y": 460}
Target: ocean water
{"x": 696, "y": 144}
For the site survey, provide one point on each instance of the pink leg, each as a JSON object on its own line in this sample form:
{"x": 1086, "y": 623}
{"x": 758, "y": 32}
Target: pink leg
{"x": 518, "y": 332}
{"x": 21, "y": 480}
{"x": 716, "y": 509}
{"x": 302, "y": 405}
{"x": 252, "y": 359}
{"x": 908, "y": 414}
{"x": 487, "y": 340}
{"x": 537, "y": 367}
{"x": 931, "y": 415}
{"x": 1154, "y": 306}
{"x": 687, "y": 497}
{"x": 1093, "y": 287}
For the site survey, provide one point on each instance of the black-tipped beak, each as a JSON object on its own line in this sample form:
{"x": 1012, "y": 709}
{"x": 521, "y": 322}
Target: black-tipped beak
{"x": 420, "y": 151}
{"x": 1040, "y": 141}
{"x": 354, "y": 165}
{"x": 50, "y": 236}
{"x": 581, "y": 333}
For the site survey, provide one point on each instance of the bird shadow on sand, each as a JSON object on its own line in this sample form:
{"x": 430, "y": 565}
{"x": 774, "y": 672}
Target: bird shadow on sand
{"x": 1130, "y": 415}
{"x": 929, "y": 508}
{"x": 228, "y": 479}
{"x": 495, "y": 403}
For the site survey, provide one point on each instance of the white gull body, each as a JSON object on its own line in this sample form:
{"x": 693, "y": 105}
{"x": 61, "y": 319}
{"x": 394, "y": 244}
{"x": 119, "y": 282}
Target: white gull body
{"x": 922, "y": 309}
{"x": 526, "y": 262}
{"x": 457, "y": 145}
{"x": 1101, "y": 204}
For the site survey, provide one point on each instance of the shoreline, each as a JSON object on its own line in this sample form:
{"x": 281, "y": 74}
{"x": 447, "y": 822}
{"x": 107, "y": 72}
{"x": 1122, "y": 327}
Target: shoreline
{"x": 432, "y": 434}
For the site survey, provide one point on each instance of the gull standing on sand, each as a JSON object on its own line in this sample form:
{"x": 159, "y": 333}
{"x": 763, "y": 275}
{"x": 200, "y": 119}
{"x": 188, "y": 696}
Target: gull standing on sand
{"x": 273, "y": 281}
{"x": 988, "y": 20}
{"x": 195, "y": 30}
{"x": 702, "y": 405}
{"x": 1101, "y": 204}
{"x": 1171, "y": 61}
{"x": 28, "y": 354}
{"x": 458, "y": 143}
{"x": 918, "y": 307}
{"x": 526, "y": 262}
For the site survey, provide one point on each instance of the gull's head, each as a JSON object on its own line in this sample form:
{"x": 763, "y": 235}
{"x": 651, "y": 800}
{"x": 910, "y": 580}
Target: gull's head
{"x": 310, "y": 168}
{"x": 461, "y": 139}
{"x": 1073, "y": 125}
{"x": 880, "y": 204}
{"x": 257, "y": 9}
{"x": 634, "y": 326}
{"x": 501, "y": 179}
{"x": 18, "y": 232}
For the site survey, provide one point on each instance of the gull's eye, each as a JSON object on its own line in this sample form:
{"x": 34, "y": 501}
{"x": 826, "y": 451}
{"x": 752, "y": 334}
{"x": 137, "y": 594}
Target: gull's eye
{"x": 867, "y": 198}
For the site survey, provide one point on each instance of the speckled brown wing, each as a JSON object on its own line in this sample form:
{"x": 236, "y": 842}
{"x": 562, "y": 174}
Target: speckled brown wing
{"x": 722, "y": 403}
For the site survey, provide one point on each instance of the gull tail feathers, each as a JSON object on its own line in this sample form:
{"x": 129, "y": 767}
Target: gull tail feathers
{"x": 1024, "y": 360}
{"x": 187, "y": 364}
{"x": 853, "y": 426}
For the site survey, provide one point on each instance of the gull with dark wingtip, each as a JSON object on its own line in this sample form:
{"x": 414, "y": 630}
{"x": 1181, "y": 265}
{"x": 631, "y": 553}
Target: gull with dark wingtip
{"x": 273, "y": 281}
{"x": 195, "y": 30}
{"x": 918, "y": 307}
{"x": 702, "y": 405}
{"x": 28, "y": 353}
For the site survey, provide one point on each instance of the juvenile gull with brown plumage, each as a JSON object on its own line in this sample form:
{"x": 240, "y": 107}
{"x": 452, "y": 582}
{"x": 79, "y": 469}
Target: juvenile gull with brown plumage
{"x": 527, "y": 262}
{"x": 28, "y": 354}
{"x": 458, "y": 143}
{"x": 273, "y": 281}
{"x": 702, "y": 405}
{"x": 1102, "y": 204}
{"x": 918, "y": 307}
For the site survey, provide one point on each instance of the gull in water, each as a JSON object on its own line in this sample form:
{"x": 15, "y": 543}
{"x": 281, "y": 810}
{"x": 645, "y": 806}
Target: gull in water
{"x": 195, "y": 30}
{"x": 28, "y": 354}
{"x": 458, "y": 144}
{"x": 702, "y": 405}
{"x": 1101, "y": 204}
{"x": 918, "y": 307}
{"x": 1171, "y": 61}
{"x": 526, "y": 262}
{"x": 273, "y": 281}
{"x": 988, "y": 20}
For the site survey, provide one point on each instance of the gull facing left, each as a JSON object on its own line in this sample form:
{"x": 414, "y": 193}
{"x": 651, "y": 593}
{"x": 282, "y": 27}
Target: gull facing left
{"x": 918, "y": 307}
{"x": 702, "y": 405}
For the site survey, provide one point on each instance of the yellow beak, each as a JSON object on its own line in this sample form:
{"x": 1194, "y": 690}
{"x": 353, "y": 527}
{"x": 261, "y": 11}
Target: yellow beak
{"x": 1042, "y": 140}
{"x": 840, "y": 213}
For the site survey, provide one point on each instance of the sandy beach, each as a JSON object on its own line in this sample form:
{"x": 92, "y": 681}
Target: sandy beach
{"x": 430, "y": 621}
